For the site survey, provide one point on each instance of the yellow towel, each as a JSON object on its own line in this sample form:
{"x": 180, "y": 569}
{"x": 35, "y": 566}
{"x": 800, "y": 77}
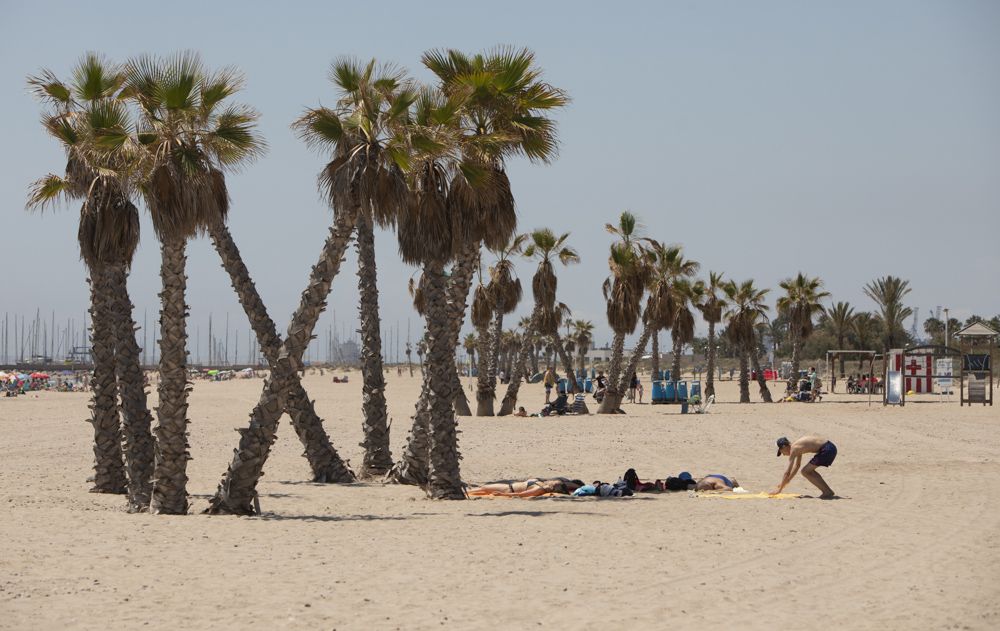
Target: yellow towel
{"x": 752, "y": 496}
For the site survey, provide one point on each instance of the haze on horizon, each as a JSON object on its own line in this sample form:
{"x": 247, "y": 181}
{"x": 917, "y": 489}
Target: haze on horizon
{"x": 849, "y": 141}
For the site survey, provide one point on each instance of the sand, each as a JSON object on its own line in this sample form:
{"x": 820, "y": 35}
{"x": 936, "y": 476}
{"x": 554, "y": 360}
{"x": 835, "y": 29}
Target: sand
{"x": 912, "y": 545}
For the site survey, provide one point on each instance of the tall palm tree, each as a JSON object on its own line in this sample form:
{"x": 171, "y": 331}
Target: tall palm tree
{"x": 746, "y": 309}
{"x": 501, "y": 110}
{"x": 505, "y": 293}
{"x": 866, "y": 331}
{"x": 686, "y": 294}
{"x": 95, "y": 131}
{"x": 361, "y": 85}
{"x": 222, "y": 136}
{"x": 482, "y": 316}
{"x": 840, "y": 318}
{"x": 888, "y": 293}
{"x": 546, "y": 247}
{"x": 669, "y": 293}
{"x": 583, "y": 338}
{"x": 799, "y": 304}
{"x": 496, "y": 106}
{"x": 712, "y": 304}
{"x": 365, "y": 172}
{"x": 470, "y": 344}
{"x": 623, "y": 291}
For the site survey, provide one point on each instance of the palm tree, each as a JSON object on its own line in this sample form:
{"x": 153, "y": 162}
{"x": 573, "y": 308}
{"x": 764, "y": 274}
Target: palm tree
{"x": 669, "y": 293}
{"x": 865, "y": 328}
{"x": 623, "y": 291}
{"x": 799, "y": 304}
{"x": 840, "y": 318}
{"x": 544, "y": 246}
{"x": 746, "y": 308}
{"x": 499, "y": 108}
{"x": 364, "y": 173}
{"x": 482, "y": 316}
{"x": 96, "y": 133}
{"x": 686, "y": 293}
{"x": 222, "y": 136}
{"x": 505, "y": 293}
{"x": 888, "y": 293}
{"x": 712, "y": 304}
{"x": 361, "y": 86}
{"x": 583, "y": 338}
{"x": 470, "y": 344}
{"x": 494, "y": 108}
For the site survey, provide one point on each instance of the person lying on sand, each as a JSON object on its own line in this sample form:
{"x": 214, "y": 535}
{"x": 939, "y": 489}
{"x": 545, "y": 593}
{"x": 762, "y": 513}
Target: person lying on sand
{"x": 521, "y": 412}
{"x": 532, "y": 487}
{"x": 825, "y": 452}
{"x": 716, "y": 482}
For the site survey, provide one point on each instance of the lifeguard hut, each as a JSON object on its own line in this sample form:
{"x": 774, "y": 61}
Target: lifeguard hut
{"x": 978, "y": 342}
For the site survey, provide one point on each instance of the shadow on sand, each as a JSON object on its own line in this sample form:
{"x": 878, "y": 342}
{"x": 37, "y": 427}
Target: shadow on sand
{"x": 533, "y": 513}
{"x": 278, "y": 517}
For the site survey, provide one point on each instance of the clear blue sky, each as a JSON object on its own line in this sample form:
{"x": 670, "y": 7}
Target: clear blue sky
{"x": 848, "y": 140}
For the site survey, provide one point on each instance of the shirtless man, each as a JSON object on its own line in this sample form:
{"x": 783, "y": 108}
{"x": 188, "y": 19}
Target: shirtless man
{"x": 716, "y": 482}
{"x": 825, "y": 452}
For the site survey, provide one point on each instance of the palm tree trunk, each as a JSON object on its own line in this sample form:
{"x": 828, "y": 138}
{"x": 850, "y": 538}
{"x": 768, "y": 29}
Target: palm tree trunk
{"x": 109, "y": 468}
{"x": 612, "y": 395}
{"x": 325, "y": 462}
{"x": 510, "y": 398}
{"x": 567, "y": 363}
{"x": 675, "y": 367}
{"x": 137, "y": 437}
{"x": 744, "y": 375}
{"x": 795, "y": 357}
{"x": 238, "y": 487}
{"x": 633, "y": 361}
{"x": 840, "y": 345}
{"x": 765, "y": 392}
{"x": 378, "y": 458}
{"x": 656, "y": 355}
{"x": 457, "y": 296}
{"x": 535, "y": 350}
{"x": 486, "y": 392}
{"x": 488, "y": 362}
{"x": 413, "y": 467}
{"x": 445, "y": 480}
{"x": 710, "y": 378}
{"x": 171, "y": 455}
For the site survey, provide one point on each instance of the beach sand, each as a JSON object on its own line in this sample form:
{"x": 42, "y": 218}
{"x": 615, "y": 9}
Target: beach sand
{"x": 912, "y": 546}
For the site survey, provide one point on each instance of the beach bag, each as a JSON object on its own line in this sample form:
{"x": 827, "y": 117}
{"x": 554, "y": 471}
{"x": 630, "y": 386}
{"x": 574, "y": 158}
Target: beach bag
{"x": 676, "y": 484}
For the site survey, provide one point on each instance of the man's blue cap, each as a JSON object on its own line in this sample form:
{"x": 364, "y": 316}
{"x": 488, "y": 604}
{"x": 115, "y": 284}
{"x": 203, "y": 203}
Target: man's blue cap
{"x": 684, "y": 475}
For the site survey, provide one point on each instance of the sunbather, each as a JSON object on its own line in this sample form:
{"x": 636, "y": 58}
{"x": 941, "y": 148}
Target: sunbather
{"x": 532, "y": 487}
{"x": 716, "y": 482}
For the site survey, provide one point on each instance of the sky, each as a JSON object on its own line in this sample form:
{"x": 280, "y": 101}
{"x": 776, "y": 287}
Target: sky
{"x": 846, "y": 140}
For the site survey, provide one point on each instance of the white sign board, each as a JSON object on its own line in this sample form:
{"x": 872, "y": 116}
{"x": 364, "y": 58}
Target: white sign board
{"x": 944, "y": 371}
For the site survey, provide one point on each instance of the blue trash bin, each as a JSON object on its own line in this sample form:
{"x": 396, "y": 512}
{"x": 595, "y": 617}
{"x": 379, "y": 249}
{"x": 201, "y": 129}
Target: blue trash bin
{"x": 563, "y": 386}
{"x": 682, "y": 390}
{"x": 669, "y": 391}
{"x": 684, "y": 407}
{"x": 588, "y": 386}
{"x": 695, "y": 389}
{"x": 659, "y": 394}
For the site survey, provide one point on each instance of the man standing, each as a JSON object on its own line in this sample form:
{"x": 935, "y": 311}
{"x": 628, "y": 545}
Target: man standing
{"x": 825, "y": 452}
{"x": 550, "y": 381}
